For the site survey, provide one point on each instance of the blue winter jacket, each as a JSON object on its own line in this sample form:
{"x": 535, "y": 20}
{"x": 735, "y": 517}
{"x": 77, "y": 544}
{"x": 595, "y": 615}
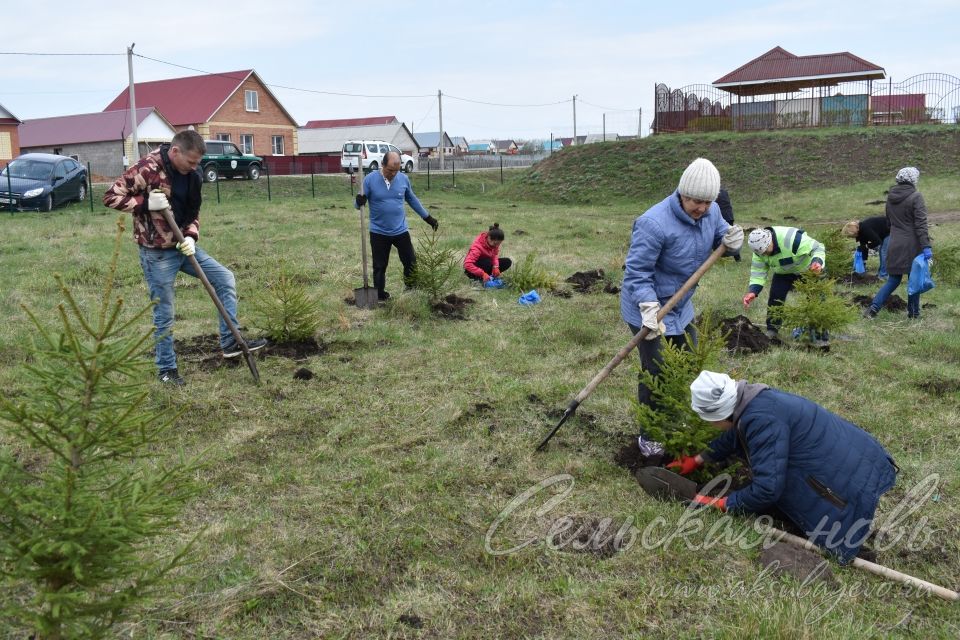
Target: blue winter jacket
{"x": 824, "y": 473}
{"x": 387, "y": 215}
{"x": 666, "y": 248}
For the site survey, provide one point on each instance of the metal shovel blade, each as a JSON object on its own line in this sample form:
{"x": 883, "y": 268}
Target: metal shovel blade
{"x": 664, "y": 484}
{"x": 365, "y": 297}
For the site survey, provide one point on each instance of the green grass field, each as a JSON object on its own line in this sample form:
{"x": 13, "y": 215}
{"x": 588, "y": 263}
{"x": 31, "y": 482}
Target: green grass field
{"x": 369, "y": 501}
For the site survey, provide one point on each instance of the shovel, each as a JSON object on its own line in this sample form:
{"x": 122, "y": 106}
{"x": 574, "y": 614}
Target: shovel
{"x": 630, "y": 346}
{"x": 366, "y": 296}
{"x": 664, "y": 484}
{"x": 251, "y": 362}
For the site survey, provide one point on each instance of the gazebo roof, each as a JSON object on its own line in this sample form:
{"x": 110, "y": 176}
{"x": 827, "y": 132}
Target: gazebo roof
{"x": 779, "y": 71}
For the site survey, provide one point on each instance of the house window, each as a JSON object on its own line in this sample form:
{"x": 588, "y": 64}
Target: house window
{"x": 278, "y": 145}
{"x": 251, "y": 101}
{"x": 246, "y": 143}
{"x": 223, "y": 136}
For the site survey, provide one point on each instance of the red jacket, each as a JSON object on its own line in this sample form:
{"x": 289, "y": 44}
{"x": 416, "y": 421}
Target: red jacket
{"x": 480, "y": 249}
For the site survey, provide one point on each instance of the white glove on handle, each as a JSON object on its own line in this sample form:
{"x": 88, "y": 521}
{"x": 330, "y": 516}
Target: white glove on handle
{"x": 649, "y": 311}
{"x": 733, "y": 238}
{"x": 157, "y": 201}
{"x": 188, "y": 247}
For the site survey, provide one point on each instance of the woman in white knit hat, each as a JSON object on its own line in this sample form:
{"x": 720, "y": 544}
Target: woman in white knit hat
{"x": 669, "y": 243}
{"x": 822, "y": 472}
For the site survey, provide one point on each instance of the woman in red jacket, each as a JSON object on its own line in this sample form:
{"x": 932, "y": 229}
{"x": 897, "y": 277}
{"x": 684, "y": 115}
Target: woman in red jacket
{"x": 483, "y": 261}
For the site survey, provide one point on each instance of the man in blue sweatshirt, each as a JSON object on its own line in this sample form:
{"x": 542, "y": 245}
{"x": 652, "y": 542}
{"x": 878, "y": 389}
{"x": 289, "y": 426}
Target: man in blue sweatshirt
{"x": 386, "y": 190}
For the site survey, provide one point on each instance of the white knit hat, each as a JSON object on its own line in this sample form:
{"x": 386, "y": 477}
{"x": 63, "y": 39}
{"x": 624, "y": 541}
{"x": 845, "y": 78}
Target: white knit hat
{"x": 713, "y": 396}
{"x": 700, "y": 181}
{"x": 759, "y": 240}
{"x": 908, "y": 174}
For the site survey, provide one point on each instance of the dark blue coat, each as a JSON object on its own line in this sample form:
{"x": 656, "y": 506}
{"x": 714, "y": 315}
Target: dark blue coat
{"x": 823, "y": 472}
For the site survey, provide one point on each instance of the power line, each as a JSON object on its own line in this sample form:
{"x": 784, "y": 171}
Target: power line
{"x": 497, "y": 104}
{"x": 34, "y": 53}
{"x": 280, "y": 86}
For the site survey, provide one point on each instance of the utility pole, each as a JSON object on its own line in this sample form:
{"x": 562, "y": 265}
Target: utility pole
{"x": 639, "y": 122}
{"x": 440, "y": 110}
{"x": 604, "y": 127}
{"x": 133, "y": 106}
{"x": 574, "y": 142}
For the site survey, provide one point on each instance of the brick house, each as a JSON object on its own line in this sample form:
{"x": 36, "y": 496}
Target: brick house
{"x": 235, "y": 106}
{"x": 9, "y": 135}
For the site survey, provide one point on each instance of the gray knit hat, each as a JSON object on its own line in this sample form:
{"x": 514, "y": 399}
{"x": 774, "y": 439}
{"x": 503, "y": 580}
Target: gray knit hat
{"x": 713, "y": 396}
{"x": 700, "y": 181}
{"x": 908, "y": 175}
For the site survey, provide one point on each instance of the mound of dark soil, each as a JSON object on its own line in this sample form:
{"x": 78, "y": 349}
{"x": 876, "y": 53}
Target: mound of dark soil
{"x": 894, "y": 302}
{"x": 303, "y": 374}
{"x": 582, "y": 281}
{"x": 453, "y": 307}
{"x": 630, "y": 458}
{"x": 206, "y": 351}
{"x": 743, "y": 336}
{"x": 858, "y": 279}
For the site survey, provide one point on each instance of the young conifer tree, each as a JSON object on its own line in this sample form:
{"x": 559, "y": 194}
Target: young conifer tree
{"x": 435, "y": 267}
{"x": 85, "y": 495}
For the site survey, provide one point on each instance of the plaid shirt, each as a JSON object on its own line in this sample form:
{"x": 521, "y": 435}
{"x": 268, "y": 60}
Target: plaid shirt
{"x": 130, "y": 193}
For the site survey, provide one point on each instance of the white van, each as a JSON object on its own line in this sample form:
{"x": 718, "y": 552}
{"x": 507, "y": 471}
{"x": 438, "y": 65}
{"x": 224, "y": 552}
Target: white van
{"x": 372, "y": 152}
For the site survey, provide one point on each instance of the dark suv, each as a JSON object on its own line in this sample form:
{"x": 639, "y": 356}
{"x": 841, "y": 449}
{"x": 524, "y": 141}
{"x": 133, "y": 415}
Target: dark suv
{"x": 224, "y": 159}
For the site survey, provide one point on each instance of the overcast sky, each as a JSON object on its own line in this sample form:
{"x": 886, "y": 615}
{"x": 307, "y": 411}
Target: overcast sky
{"x": 520, "y": 52}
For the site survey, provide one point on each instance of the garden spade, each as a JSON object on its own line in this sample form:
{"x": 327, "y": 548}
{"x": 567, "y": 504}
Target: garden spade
{"x": 365, "y": 296}
{"x": 251, "y": 362}
{"x": 664, "y": 484}
{"x": 630, "y": 346}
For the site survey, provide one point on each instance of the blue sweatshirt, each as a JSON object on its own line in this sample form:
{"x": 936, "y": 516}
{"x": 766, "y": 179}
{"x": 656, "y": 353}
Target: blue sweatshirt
{"x": 387, "y": 216}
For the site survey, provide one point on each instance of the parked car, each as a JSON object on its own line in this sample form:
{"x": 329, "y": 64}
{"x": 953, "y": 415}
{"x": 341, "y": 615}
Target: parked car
{"x": 41, "y": 181}
{"x": 372, "y": 152}
{"x": 225, "y": 160}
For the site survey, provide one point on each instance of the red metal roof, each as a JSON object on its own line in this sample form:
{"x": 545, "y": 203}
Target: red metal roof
{"x": 76, "y": 129}
{"x": 350, "y": 122}
{"x": 782, "y": 70}
{"x": 184, "y": 101}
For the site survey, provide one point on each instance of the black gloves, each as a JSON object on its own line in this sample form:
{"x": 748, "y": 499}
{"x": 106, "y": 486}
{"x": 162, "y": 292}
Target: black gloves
{"x": 430, "y": 220}
{"x": 361, "y": 199}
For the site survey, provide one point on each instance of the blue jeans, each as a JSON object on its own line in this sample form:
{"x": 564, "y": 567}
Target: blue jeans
{"x": 893, "y": 281}
{"x": 882, "y": 272}
{"x": 160, "y": 268}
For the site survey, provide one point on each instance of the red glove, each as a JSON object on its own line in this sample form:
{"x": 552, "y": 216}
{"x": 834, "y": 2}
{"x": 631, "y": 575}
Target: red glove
{"x": 496, "y": 272}
{"x": 816, "y": 266}
{"x": 747, "y": 299}
{"x": 707, "y": 501}
{"x": 685, "y": 465}
{"x": 485, "y": 277}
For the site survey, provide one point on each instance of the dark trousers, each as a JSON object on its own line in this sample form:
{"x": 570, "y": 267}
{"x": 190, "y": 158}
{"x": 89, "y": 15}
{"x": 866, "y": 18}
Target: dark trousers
{"x": 650, "y": 358}
{"x": 486, "y": 264}
{"x": 780, "y": 286}
{"x": 380, "y": 248}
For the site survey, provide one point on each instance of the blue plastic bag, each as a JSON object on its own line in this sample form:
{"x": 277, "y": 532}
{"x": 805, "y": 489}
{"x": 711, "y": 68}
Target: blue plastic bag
{"x": 920, "y": 280}
{"x": 493, "y": 283}
{"x": 858, "y": 266}
{"x": 530, "y": 298}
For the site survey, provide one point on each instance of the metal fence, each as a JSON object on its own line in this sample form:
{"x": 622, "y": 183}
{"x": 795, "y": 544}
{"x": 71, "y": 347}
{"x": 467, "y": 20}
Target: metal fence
{"x": 929, "y": 98}
{"x": 470, "y": 175}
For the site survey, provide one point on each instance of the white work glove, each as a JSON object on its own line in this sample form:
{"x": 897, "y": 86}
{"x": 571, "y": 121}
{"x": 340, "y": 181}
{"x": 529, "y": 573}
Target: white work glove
{"x": 733, "y": 238}
{"x": 649, "y": 311}
{"x": 157, "y": 201}
{"x": 188, "y": 247}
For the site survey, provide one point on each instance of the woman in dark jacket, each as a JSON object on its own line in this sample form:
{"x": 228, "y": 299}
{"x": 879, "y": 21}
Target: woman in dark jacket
{"x": 824, "y": 473}
{"x": 871, "y": 233}
{"x": 907, "y": 214}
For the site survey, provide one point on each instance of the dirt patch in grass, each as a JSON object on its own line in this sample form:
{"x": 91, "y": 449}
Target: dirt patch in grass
{"x": 859, "y": 279}
{"x": 453, "y": 307}
{"x": 894, "y": 302}
{"x": 939, "y": 386}
{"x": 631, "y": 458}
{"x": 205, "y": 350}
{"x": 411, "y": 620}
{"x": 743, "y": 336}
{"x": 803, "y": 565}
{"x": 595, "y": 536}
